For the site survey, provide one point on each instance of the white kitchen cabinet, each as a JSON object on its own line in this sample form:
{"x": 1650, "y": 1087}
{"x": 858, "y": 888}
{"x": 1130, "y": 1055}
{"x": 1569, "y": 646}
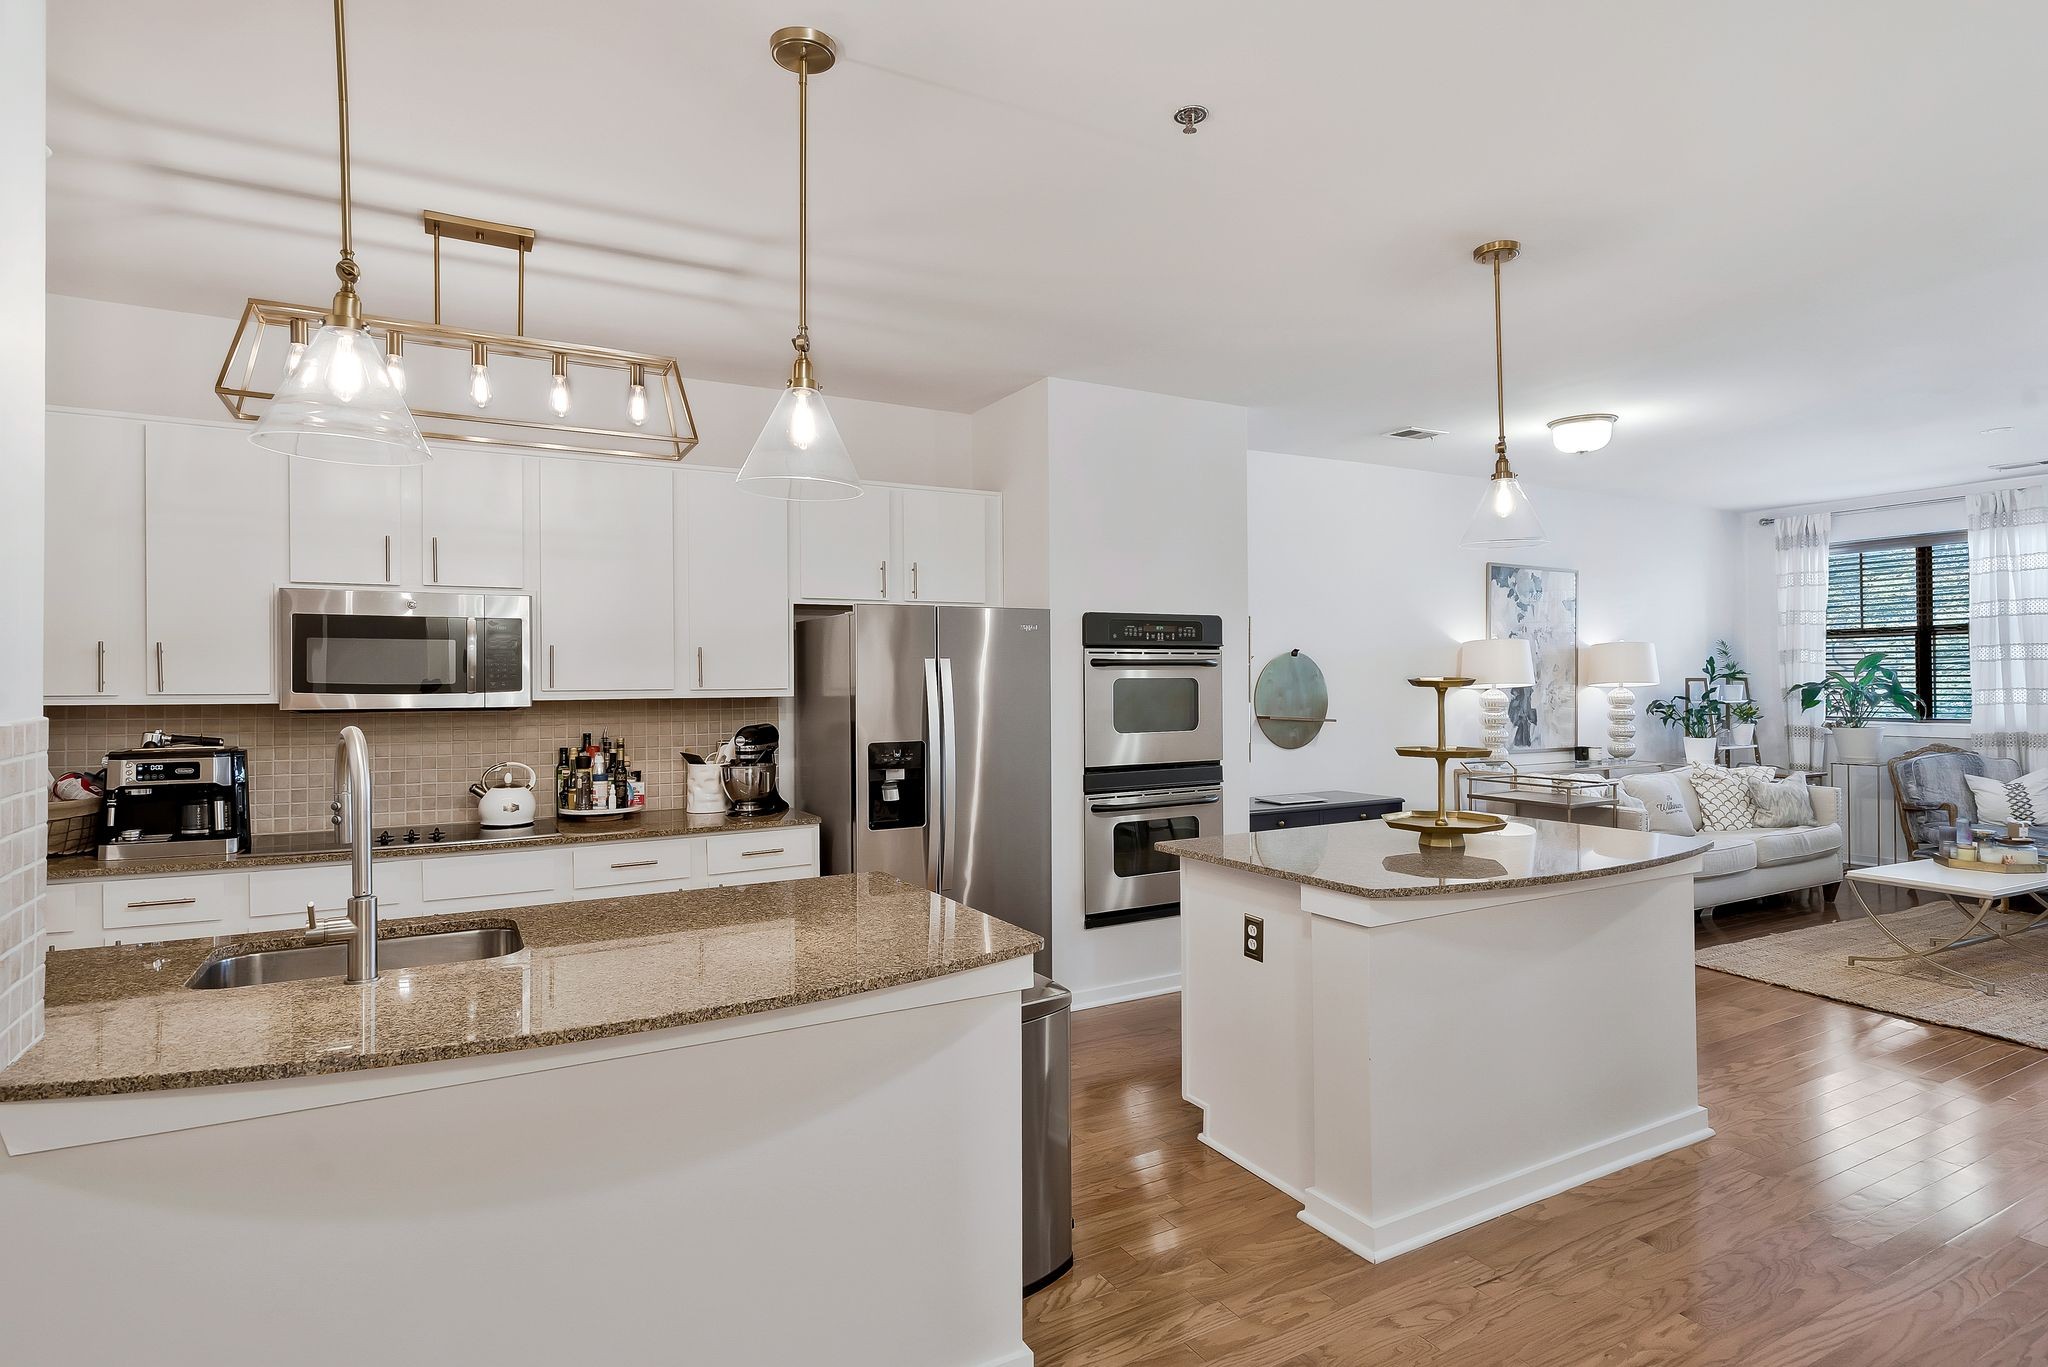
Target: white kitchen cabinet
{"x": 844, "y": 548}
{"x": 92, "y": 559}
{"x": 215, "y": 518}
{"x": 473, "y": 519}
{"x": 607, "y": 580}
{"x": 348, "y": 522}
{"x": 945, "y": 545}
{"x": 736, "y": 587}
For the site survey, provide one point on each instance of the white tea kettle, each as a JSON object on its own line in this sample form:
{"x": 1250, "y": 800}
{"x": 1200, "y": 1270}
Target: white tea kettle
{"x": 501, "y": 801}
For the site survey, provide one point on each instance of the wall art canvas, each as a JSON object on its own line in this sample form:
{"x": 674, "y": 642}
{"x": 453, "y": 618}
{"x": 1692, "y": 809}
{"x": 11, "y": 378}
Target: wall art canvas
{"x": 1541, "y": 606}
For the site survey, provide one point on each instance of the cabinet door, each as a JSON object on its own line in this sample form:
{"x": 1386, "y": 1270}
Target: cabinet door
{"x": 607, "y": 579}
{"x": 945, "y": 546}
{"x": 92, "y": 559}
{"x": 843, "y": 549}
{"x": 736, "y": 548}
{"x": 473, "y": 519}
{"x": 215, "y": 512}
{"x": 346, "y": 522}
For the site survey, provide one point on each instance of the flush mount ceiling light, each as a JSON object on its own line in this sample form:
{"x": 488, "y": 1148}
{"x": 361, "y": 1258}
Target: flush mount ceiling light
{"x": 336, "y": 400}
{"x": 1582, "y": 433}
{"x": 799, "y": 454}
{"x": 1504, "y": 517}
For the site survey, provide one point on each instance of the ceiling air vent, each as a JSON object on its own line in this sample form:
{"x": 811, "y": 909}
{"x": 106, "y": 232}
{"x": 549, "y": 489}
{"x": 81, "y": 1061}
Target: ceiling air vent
{"x": 1414, "y": 433}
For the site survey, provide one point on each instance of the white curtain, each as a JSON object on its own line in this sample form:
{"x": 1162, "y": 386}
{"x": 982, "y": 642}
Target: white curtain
{"x": 2009, "y": 624}
{"x": 1803, "y": 629}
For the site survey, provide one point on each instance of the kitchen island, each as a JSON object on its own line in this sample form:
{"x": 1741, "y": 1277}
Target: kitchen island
{"x": 1410, "y": 1042}
{"x": 769, "y": 1123}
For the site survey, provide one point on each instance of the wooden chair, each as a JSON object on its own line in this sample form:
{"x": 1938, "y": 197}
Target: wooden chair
{"x": 1918, "y": 842}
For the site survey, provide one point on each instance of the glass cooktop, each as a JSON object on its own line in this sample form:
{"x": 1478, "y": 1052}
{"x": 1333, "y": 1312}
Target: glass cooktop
{"x": 390, "y": 837}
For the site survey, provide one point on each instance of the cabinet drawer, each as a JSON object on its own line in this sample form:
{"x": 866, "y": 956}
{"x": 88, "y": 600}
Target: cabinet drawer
{"x": 71, "y": 916}
{"x": 128, "y": 903}
{"x": 446, "y": 878}
{"x": 747, "y": 852}
{"x": 605, "y": 866}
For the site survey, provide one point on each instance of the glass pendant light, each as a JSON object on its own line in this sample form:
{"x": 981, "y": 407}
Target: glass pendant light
{"x": 799, "y": 454}
{"x": 1504, "y": 517}
{"x": 340, "y": 401}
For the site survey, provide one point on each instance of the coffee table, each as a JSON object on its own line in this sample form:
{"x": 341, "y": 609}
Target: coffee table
{"x": 1977, "y": 895}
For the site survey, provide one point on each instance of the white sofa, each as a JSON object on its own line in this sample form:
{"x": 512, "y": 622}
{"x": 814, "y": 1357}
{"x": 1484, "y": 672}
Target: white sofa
{"x": 1758, "y": 862}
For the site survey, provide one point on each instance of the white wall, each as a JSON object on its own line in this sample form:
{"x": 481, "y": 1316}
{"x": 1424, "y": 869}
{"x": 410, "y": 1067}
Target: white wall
{"x": 161, "y": 363}
{"x": 1011, "y": 454}
{"x": 1359, "y": 566}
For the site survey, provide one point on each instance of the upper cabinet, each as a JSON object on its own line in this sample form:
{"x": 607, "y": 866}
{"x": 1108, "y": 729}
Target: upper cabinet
{"x": 92, "y": 556}
{"x": 736, "y": 587}
{"x": 898, "y": 545}
{"x": 607, "y": 591}
{"x": 348, "y": 522}
{"x": 215, "y": 514}
{"x": 473, "y": 520}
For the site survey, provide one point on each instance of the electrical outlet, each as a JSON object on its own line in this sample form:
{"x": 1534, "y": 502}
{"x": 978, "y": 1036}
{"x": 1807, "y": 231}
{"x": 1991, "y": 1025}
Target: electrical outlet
{"x": 1255, "y": 939}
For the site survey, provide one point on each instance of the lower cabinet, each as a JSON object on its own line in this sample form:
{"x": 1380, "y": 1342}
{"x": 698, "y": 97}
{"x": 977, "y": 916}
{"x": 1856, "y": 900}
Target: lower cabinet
{"x": 142, "y": 907}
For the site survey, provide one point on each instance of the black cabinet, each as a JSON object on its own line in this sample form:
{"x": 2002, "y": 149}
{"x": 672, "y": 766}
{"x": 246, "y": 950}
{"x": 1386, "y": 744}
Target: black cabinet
{"x": 1328, "y": 809}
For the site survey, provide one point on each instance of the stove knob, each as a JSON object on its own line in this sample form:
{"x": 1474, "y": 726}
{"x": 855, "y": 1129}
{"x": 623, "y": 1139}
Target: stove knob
{"x": 412, "y": 837}
{"x": 437, "y": 834}
{"x": 383, "y": 837}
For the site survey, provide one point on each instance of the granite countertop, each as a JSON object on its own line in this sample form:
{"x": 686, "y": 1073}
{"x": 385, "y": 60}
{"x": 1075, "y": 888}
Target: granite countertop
{"x": 121, "y": 1019}
{"x": 291, "y": 849}
{"x": 1372, "y": 859}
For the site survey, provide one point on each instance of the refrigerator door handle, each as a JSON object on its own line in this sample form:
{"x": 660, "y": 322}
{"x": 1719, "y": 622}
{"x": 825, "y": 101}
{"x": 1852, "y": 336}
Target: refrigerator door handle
{"x": 934, "y": 791}
{"x": 949, "y": 778}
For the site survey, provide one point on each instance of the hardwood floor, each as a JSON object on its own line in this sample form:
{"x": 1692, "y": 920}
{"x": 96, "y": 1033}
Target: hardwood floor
{"x": 1874, "y": 1195}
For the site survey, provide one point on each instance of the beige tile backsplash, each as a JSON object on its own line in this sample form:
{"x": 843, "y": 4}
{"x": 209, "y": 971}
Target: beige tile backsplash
{"x": 422, "y": 762}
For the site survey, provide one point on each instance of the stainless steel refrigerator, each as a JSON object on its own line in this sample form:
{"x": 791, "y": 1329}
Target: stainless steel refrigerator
{"x": 924, "y": 746}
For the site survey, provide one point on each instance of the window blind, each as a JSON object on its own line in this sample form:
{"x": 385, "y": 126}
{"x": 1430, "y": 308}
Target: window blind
{"x": 1913, "y": 603}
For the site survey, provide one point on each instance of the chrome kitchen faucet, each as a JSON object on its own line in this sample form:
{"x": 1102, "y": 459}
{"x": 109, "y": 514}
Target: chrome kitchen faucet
{"x": 351, "y": 809}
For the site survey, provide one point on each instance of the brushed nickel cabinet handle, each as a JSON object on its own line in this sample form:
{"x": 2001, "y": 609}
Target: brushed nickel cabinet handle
{"x": 885, "y": 579}
{"x": 551, "y": 666}
{"x": 159, "y": 666}
{"x": 756, "y": 854}
{"x": 100, "y": 666}
{"x": 387, "y": 559}
{"x": 913, "y": 579}
{"x": 637, "y": 864}
{"x": 435, "y": 545}
{"x": 700, "y": 666}
{"x": 163, "y": 902}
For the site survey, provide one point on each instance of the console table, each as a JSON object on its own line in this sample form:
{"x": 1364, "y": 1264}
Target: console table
{"x": 1327, "y": 808}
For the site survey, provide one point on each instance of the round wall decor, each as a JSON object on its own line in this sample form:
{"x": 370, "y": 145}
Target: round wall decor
{"x": 1291, "y": 700}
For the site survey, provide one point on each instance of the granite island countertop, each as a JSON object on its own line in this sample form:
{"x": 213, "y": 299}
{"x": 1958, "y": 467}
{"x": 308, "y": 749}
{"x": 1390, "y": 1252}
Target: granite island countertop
{"x": 120, "y": 1019}
{"x": 317, "y": 848}
{"x": 1372, "y": 859}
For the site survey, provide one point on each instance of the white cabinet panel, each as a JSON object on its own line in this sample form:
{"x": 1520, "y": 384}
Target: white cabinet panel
{"x": 135, "y": 904}
{"x": 446, "y": 879}
{"x": 473, "y": 519}
{"x": 843, "y": 549}
{"x": 747, "y": 852}
{"x": 347, "y": 522}
{"x": 92, "y": 559}
{"x": 215, "y": 518}
{"x": 736, "y": 556}
{"x": 945, "y": 546}
{"x": 607, "y": 579}
{"x": 653, "y": 861}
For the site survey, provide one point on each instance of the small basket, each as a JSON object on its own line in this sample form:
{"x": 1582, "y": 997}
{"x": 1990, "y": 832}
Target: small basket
{"x": 72, "y": 826}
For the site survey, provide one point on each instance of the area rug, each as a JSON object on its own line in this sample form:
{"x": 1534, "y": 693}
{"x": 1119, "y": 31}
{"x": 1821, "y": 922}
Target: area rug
{"x": 1814, "y": 960}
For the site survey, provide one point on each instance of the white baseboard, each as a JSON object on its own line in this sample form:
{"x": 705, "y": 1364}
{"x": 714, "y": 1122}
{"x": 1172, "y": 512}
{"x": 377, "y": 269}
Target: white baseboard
{"x": 1108, "y": 994}
{"x": 1253, "y": 1168}
{"x": 1020, "y": 1356}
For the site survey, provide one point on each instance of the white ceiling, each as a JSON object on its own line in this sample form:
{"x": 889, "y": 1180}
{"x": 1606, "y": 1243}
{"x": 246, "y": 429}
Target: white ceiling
{"x": 1795, "y": 246}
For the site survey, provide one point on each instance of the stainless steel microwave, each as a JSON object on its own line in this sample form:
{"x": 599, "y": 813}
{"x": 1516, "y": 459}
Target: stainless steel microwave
{"x": 386, "y": 649}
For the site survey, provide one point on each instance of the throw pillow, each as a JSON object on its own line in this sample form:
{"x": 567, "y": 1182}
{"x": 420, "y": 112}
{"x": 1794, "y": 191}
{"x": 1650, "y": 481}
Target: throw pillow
{"x": 1724, "y": 799}
{"x": 1780, "y": 803}
{"x": 2023, "y": 799}
{"x": 1663, "y": 800}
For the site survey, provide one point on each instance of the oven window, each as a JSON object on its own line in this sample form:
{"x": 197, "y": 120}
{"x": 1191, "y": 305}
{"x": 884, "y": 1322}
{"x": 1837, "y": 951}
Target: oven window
{"x": 1144, "y": 706}
{"x": 387, "y": 656}
{"x": 1131, "y": 845}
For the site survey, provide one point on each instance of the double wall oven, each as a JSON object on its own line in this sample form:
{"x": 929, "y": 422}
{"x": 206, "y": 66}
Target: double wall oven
{"x": 1152, "y": 755}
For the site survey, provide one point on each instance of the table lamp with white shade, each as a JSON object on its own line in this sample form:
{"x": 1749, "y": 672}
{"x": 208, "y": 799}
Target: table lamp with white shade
{"x": 1494, "y": 665}
{"x": 1619, "y": 665}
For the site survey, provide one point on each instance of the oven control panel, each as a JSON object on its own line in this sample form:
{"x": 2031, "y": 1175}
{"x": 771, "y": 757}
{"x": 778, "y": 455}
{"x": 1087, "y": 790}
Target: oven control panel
{"x": 1154, "y": 630}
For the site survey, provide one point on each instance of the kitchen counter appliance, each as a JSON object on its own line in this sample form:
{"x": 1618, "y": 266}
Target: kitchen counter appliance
{"x": 749, "y": 779}
{"x": 385, "y": 649}
{"x": 175, "y": 797}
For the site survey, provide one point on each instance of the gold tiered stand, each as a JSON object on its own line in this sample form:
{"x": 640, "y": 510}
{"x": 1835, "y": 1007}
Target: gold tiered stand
{"x": 1438, "y": 829}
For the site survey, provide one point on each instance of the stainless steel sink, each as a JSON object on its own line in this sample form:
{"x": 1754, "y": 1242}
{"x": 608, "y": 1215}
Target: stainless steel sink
{"x": 331, "y": 961}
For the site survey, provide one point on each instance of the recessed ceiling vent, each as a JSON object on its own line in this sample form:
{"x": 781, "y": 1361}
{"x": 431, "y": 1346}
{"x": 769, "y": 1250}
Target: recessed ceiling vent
{"x": 1415, "y": 433}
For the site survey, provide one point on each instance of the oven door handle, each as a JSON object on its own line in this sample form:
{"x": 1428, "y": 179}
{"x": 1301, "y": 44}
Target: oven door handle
{"x": 1141, "y": 805}
{"x": 1152, "y": 664}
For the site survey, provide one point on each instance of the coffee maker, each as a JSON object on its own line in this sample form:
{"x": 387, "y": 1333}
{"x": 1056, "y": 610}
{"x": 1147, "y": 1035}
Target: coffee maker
{"x": 175, "y": 797}
{"x": 750, "y": 778}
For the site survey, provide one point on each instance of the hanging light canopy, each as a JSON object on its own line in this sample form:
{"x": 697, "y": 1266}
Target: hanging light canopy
{"x": 799, "y": 454}
{"x": 338, "y": 400}
{"x": 1504, "y": 517}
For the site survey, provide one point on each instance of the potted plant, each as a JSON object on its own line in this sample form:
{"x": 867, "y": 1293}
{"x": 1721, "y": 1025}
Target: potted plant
{"x": 1698, "y": 718}
{"x": 1742, "y": 719}
{"x": 1852, "y": 699}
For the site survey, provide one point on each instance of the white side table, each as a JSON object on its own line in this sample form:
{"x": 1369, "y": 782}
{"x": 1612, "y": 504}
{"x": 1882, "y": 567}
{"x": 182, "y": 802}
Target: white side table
{"x": 1977, "y": 895}
{"x": 1886, "y": 843}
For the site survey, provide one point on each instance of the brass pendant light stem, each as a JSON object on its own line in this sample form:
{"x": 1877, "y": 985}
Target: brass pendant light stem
{"x": 348, "y": 309}
{"x": 1500, "y": 384}
{"x": 803, "y": 51}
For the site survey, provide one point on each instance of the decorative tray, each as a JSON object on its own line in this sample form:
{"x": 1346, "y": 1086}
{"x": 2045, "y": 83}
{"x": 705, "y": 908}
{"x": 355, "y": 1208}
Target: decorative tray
{"x": 1985, "y": 866}
{"x": 597, "y": 813}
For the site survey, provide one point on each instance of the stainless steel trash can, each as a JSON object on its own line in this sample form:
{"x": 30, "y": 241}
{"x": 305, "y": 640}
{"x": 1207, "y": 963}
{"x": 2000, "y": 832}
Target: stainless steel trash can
{"x": 1048, "y": 1145}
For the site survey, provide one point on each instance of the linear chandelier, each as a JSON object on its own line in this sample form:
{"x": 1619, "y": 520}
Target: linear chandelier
{"x": 489, "y": 388}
